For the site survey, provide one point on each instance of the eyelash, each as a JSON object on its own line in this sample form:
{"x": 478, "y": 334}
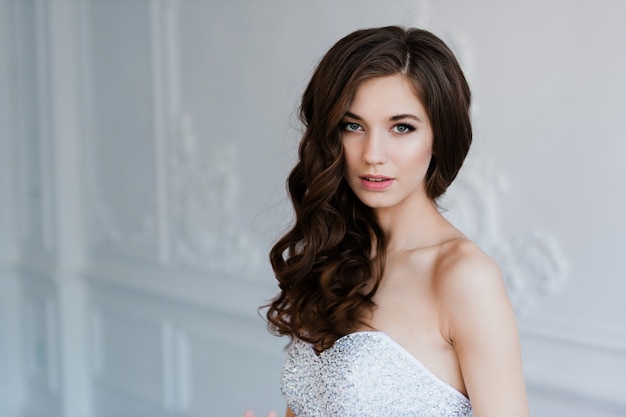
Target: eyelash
{"x": 347, "y": 124}
{"x": 409, "y": 128}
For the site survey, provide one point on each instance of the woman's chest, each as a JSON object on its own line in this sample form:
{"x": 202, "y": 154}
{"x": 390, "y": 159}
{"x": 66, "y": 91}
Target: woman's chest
{"x": 365, "y": 374}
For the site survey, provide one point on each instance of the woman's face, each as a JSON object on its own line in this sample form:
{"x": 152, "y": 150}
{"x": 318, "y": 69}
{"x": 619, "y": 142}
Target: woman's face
{"x": 387, "y": 140}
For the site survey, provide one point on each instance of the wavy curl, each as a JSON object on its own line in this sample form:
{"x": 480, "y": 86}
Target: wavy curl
{"x": 330, "y": 264}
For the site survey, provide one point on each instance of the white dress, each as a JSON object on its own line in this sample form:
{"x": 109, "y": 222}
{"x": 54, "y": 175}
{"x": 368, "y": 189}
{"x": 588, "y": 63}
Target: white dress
{"x": 365, "y": 374}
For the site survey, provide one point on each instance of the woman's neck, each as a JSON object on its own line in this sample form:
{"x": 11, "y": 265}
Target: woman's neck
{"x": 415, "y": 225}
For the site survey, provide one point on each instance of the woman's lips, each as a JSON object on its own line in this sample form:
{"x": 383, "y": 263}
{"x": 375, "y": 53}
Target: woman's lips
{"x": 376, "y": 182}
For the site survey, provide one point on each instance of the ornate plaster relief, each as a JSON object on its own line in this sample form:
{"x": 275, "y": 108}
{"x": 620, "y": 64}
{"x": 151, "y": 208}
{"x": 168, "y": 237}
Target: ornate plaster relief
{"x": 532, "y": 262}
{"x": 204, "y": 200}
{"x": 138, "y": 234}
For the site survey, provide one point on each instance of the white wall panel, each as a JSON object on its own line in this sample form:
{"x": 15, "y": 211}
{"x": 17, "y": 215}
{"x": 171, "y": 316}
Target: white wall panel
{"x": 121, "y": 150}
{"x": 130, "y": 355}
{"x": 11, "y": 383}
{"x": 31, "y": 122}
{"x": 547, "y": 401}
{"x": 35, "y": 345}
{"x": 591, "y": 371}
{"x": 40, "y": 332}
{"x": 178, "y": 358}
{"x": 7, "y": 132}
{"x": 46, "y": 214}
{"x": 234, "y": 363}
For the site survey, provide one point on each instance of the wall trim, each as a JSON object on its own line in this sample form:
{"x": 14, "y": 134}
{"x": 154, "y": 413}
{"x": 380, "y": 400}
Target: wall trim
{"x": 571, "y": 361}
{"x": 8, "y": 252}
{"x": 187, "y": 333}
{"x": 597, "y": 336}
{"x": 12, "y": 383}
{"x": 207, "y": 290}
{"x": 575, "y": 397}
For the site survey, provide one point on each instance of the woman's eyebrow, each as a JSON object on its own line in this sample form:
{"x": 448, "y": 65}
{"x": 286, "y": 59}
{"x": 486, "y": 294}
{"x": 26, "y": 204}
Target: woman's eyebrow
{"x": 352, "y": 116}
{"x": 404, "y": 116}
{"x": 393, "y": 118}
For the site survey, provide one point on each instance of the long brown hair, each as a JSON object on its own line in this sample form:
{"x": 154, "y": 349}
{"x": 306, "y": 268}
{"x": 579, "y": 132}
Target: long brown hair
{"x": 329, "y": 265}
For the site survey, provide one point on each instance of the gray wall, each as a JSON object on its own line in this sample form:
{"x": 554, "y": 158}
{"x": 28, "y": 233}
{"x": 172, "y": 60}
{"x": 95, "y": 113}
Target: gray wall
{"x": 144, "y": 146}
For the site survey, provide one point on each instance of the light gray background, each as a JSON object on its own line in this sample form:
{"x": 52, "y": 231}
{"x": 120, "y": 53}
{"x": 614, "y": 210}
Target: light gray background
{"x": 143, "y": 152}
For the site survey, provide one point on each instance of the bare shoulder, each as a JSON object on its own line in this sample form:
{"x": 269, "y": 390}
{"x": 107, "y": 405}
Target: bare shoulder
{"x": 462, "y": 263}
{"x": 477, "y": 319}
{"x": 468, "y": 281}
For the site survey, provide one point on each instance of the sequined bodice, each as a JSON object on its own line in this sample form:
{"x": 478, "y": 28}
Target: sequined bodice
{"x": 365, "y": 374}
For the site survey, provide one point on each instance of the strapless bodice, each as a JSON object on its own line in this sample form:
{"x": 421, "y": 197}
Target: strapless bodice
{"x": 365, "y": 374}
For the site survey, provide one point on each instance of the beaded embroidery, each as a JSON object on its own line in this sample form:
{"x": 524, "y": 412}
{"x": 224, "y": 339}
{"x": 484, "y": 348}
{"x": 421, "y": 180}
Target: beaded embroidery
{"x": 365, "y": 374}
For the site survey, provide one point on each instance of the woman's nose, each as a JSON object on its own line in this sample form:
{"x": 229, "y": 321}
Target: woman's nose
{"x": 374, "y": 152}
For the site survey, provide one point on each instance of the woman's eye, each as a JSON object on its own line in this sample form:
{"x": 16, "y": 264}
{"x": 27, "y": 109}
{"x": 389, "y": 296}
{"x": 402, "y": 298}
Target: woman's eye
{"x": 352, "y": 127}
{"x": 403, "y": 128}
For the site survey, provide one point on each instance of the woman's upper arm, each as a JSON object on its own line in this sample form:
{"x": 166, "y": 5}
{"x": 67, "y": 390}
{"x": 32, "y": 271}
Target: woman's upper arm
{"x": 483, "y": 331}
{"x": 289, "y": 413}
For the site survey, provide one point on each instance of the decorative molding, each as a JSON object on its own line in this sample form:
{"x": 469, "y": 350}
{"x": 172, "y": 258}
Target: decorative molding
{"x": 203, "y": 187}
{"x": 198, "y": 183}
{"x": 177, "y": 368}
{"x": 41, "y": 338}
{"x": 12, "y": 359}
{"x": 44, "y": 112}
{"x": 592, "y": 370}
{"x": 598, "y": 336}
{"x": 30, "y": 55}
{"x": 97, "y": 344}
{"x": 128, "y": 351}
{"x": 532, "y": 263}
{"x": 166, "y": 98}
{"x": 582, "y": 402}
{"x": 190, "y": 296}
{"x": 186, "y": 288}
{"x": 63, "y": 176}
{"x": 204, "y": 203}
{"x": 137, "y": 237}
{"x": 8, "y": 167}
{"x": 52, "y": 341}
{"x": 188, "y": 346}
{"x": 196, "y": 199}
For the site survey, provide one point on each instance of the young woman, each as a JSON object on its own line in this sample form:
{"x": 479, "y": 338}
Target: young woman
{"x": 392, "y": 311}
